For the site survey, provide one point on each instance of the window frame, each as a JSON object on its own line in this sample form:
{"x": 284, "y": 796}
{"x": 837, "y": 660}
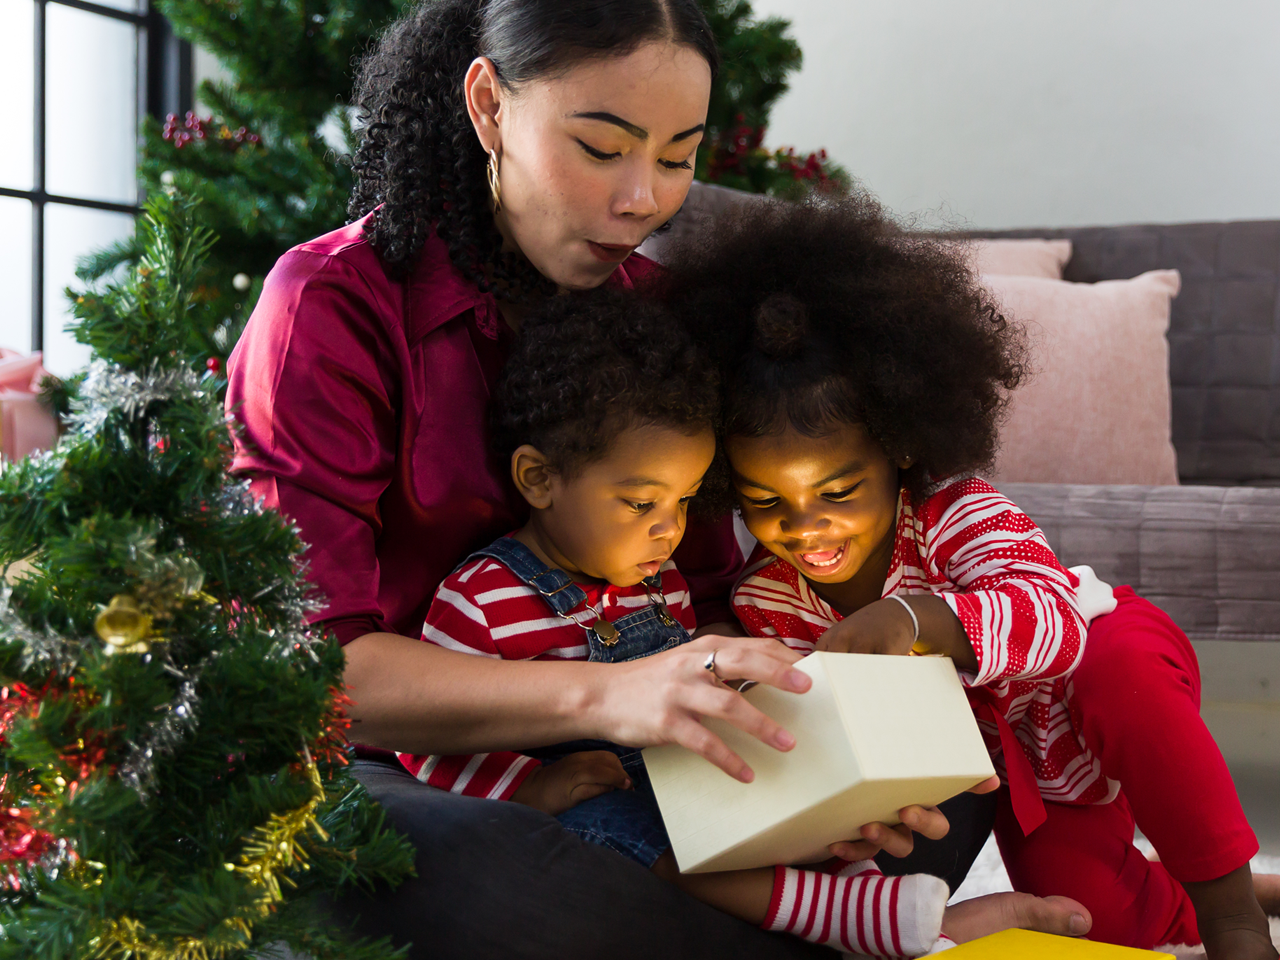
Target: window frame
{"x": 163, "y": 81}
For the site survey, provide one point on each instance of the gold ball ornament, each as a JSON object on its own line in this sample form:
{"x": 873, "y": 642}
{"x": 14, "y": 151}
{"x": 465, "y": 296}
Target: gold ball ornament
{"x": 123, "y": 627}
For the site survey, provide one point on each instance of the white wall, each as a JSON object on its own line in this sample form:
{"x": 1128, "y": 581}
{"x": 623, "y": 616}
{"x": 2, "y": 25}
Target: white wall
{"x": 1006, "y": 113}
{"x": 205, "y": 66}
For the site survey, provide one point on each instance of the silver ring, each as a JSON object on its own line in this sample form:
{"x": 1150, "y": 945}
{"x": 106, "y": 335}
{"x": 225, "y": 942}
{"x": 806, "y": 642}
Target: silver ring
{"x": 709, "y": 664}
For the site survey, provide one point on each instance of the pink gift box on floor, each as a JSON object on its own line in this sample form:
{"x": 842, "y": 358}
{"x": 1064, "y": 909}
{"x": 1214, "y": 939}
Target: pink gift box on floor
{"x": 26, "y": 425}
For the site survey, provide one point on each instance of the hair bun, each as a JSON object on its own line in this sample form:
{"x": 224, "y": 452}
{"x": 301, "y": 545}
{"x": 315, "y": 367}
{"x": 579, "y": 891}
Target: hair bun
{"x": 782, "y": 323}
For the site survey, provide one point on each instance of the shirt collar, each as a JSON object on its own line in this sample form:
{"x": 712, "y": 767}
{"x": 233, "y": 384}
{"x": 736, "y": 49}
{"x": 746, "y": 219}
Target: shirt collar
{"x": 438, "y": 292}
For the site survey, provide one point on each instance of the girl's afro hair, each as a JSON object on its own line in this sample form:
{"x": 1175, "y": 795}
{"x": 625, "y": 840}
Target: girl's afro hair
{"x": 828, "y": 312}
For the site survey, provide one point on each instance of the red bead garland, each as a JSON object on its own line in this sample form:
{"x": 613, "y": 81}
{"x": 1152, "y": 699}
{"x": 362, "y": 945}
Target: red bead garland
{"x": 193, "y": 127}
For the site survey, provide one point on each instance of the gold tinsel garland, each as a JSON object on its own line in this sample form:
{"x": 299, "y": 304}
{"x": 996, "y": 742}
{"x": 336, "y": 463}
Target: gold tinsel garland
{"x": 273, "y": 847}
{"x": 270, "y": 849}
{"x": 127, "y": 939}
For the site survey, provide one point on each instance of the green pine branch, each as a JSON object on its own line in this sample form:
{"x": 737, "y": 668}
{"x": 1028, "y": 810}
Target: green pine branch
{"x": 150, "y": 753}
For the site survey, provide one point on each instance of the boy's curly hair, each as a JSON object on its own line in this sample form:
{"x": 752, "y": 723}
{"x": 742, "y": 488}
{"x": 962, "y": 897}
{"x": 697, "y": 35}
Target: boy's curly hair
{"x": 828, "y": 312}
{"x": 588, "y": 366}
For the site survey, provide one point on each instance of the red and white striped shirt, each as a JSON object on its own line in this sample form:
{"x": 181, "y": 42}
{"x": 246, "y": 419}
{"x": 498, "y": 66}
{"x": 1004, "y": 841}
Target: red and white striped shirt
{"x": 484, "y": 609}
{"x": 971, "y": 546}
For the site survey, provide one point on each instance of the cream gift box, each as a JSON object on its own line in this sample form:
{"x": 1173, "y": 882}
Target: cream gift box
{"x": 873, "y": 734}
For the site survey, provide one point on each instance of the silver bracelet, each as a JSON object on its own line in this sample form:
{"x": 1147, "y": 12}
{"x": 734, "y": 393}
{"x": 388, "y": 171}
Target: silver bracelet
{"x": 915, "y": 622}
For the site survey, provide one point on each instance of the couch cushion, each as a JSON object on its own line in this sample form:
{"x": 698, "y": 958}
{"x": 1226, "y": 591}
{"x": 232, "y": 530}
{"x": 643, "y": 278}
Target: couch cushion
{"x": 1026, "y": 257}
{"x": 1207, "y": 556}
{"x": 1224, "y": 334}
{"x": 1096, "y": 409}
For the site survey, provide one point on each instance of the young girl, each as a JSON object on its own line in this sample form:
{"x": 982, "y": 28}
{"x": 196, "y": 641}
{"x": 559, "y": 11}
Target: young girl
{"x": 605, "y": 413}
{"x": 865, "y": 375}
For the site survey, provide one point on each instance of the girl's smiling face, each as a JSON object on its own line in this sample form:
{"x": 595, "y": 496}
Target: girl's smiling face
{"x": 826, "y": 505}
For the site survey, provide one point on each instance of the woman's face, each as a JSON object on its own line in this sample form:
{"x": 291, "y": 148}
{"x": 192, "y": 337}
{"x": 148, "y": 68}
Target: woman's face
{"x": 595, "y": 159}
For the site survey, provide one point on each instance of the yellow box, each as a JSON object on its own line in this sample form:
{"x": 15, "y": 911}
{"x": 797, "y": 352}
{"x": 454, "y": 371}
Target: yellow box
{"x": 1026, "y": 945}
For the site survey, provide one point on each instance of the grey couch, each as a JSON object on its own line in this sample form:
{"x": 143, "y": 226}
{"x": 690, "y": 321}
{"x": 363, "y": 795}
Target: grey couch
{"x": 1208, "y": 551}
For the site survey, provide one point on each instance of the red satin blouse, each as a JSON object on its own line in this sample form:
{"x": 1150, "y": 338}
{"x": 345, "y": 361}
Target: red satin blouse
{"x": 363, "y": 402}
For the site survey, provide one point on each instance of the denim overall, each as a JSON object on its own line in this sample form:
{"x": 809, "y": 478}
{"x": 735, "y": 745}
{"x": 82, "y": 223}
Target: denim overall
{"x": 626, "y": 821}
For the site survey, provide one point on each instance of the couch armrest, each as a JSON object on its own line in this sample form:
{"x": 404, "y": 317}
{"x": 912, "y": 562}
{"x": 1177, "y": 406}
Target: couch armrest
{"x": 1207, "y": 556}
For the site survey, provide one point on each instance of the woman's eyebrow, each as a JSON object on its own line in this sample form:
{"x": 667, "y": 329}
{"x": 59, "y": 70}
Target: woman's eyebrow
{"x": 640, "y": 133}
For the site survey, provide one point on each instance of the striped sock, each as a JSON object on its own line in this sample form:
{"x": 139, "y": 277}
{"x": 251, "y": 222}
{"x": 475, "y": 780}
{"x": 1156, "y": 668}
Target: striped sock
{"x": 859, "y": 910}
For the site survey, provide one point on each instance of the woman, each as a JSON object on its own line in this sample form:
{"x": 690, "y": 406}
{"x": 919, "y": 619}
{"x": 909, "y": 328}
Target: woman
{"x": 513, "y": 148}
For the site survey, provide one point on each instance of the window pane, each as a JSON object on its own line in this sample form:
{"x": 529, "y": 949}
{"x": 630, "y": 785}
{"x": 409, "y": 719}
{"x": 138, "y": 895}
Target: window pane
{"x": 15, "y": 274}
{"x": 132, "y": 6}
{"x": 17, "y": 80}
{"x": 91, "y": 106}
{"x": 70, "y": 233}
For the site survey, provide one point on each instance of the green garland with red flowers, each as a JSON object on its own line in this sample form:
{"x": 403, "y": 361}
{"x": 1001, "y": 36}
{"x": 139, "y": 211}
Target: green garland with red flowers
{"x": 757, "y": 57}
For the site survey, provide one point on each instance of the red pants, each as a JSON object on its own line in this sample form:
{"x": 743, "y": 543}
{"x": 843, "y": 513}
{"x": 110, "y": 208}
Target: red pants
{"x": 1136, "y": 704}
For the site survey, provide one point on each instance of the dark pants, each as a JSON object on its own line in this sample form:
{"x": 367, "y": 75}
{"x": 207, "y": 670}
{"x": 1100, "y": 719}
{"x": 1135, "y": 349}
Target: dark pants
{"x": 971, "y": 817}
{"x": 503, "y": 880}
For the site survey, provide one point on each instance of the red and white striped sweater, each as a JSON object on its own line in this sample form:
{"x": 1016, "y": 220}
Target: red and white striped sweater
{"x": 974, "y": 548}
{"x": 484, "y": 609}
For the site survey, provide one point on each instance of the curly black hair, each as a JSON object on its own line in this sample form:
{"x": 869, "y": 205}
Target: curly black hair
{"x": 588, "y": 366}
{"x": 829, "y": 312}
{"x": 419, "y": 157}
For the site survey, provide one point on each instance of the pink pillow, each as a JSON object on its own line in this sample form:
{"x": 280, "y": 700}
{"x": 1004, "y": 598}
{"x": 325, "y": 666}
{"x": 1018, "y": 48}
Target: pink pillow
{"x": 1097, "y": 407}
{"x": 1019, "y": 258}
{"x": 26, "y": 425}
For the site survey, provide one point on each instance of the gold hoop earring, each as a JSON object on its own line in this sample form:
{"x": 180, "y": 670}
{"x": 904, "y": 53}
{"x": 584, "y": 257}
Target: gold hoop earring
{"x": 495, "y": 187}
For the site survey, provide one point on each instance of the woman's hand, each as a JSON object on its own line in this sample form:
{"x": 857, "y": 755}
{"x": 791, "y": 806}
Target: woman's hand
{"x": 416, "y": 697}
{"x": 663, "y": 698}
{"x": 556, "y": 787}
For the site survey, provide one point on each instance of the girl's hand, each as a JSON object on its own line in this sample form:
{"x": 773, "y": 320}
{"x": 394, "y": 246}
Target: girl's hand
{"x": 663, "y": 698}
{"x": 885, "y": 627}
{"x": 880, "y": 627}
{"x": 897, "y": 840}
{"x": 556, "y": 787}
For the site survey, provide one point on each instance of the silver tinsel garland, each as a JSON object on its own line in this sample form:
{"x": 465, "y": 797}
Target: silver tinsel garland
{"x": 178, "y": 718}
{"x": 109, "y": 387}
{"x": 41, "y": 646}
{"x": 298, "y": 636}
{"x": 237, "y": 499}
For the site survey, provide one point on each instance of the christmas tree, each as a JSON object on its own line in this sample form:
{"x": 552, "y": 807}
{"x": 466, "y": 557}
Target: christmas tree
{"x": 756, "y": 58}
{"x": 268, "y": 159}
{"x": 172, "y": 736}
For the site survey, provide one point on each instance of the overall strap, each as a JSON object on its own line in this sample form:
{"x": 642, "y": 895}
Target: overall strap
{"x": 555, "y": 586}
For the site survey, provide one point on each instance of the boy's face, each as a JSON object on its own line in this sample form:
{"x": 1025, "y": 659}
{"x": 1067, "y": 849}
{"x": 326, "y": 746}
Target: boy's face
{"x": 826, "y": 505}
{"x": 621, "y": 517}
